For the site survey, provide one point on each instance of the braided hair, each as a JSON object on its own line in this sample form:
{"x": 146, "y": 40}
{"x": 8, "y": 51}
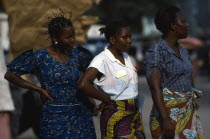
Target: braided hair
{"x": 56, "y": 24}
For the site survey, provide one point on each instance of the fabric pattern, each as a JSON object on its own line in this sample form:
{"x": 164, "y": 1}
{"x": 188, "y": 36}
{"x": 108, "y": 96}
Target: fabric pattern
{"x": 67, "y": 115}
{"x": 122, "y": 120}
{"x": 181, "y": 107}
{"x": 175, "y": 70}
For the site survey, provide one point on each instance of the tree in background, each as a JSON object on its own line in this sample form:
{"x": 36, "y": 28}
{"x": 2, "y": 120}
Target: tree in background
{"x": 131, "y": 11}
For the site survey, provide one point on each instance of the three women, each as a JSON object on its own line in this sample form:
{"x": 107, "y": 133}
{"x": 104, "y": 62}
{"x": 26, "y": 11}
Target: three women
{"x": 168, "y": 70}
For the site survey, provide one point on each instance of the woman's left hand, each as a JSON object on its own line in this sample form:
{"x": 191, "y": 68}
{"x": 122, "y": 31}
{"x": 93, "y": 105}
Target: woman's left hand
{"x": 94, "y": 106}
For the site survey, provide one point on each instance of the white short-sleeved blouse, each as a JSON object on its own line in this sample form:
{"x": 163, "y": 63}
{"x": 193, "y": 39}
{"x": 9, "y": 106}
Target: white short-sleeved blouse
{"x": 119, "y": 81}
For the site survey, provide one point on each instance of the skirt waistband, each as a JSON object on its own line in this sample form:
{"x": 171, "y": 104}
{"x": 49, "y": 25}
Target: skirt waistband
{"x": 125, "y": 105}
{"x": 128, "y": 101}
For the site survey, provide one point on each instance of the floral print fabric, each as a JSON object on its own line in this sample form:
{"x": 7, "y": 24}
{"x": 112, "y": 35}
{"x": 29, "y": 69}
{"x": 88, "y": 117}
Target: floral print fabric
{"x": 182, "y": 110}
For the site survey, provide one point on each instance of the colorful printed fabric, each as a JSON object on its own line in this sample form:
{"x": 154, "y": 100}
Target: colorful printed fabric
{"x": 67, "y": 116}
{"x": 182, "y": 110}
{"x": 122, "y": 120}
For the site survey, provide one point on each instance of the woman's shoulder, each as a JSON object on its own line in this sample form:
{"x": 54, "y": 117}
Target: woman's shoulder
{"x": 101, "y": 55}
{"x": 153, "y": 50}
{"x": 83, "y": 53}
{"x": 157, "y": 47}
{"x": 82, "y": 50}
{"x": 40, "y": 52}
{"x": 99, "y": 59}
{"x": 155, "y": 53}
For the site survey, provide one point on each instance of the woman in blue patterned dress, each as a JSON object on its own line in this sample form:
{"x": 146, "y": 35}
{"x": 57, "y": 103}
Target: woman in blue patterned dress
{"x": 58, "y": 68}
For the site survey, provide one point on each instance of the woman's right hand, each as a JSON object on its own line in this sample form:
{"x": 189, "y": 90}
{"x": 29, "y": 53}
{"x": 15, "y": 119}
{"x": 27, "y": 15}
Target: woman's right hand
{"x": 44, "y": 95}
{"x": 168, "y": 129}
{"x": 154, "y": 82}
{"x": 19, "y": 81}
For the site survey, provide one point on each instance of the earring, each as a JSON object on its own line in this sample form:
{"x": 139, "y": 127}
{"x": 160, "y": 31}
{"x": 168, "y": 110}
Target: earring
{"x": 56, "y": 43}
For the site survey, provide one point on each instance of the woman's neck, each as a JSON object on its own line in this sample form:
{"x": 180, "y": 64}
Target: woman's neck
{"x": 58, "y": 50}
{"x": 115, "y": 51}
{"x": 171, "y": 40}
{"x": 117, "y": 54}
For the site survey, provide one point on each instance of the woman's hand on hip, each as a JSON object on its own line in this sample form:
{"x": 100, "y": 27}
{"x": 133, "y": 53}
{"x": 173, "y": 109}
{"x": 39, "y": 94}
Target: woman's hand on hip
{"x": 100, "y": 108}
{"x": 44, "y": 95}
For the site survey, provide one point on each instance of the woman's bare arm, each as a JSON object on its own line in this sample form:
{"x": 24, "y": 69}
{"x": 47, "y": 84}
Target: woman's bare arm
{"x": 155, "y": 83}
{"x": 86, "y": 85}
{"x": 17, "y": 80}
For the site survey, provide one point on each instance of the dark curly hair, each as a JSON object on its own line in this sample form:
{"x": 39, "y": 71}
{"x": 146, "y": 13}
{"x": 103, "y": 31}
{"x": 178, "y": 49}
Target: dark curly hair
{"x": 165, "y": 17}
{"x": 57, "y": 23}
{"x": 112, "y": 28}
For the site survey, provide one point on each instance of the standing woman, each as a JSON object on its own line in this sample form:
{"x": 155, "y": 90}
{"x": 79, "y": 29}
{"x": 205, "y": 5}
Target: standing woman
{"x": 58, "y": 68}
{"x": 169, "y": 74}
{"x": 117, "y": 80}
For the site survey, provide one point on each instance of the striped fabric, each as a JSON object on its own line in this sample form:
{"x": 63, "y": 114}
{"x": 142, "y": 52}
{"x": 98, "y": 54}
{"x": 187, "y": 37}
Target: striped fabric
{"x": 122, "y": 120}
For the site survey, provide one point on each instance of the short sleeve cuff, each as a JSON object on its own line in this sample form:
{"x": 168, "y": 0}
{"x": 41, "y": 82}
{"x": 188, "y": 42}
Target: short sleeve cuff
{"x": 98, "y": 63}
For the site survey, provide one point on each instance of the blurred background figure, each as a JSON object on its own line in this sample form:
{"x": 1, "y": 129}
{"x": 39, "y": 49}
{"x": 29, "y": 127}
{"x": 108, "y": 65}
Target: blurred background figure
{"x": 191, "y": 44}
{"x": 6, "y": 103}
{"x": 26, "y": 103}
{"x": 27, "y": 109}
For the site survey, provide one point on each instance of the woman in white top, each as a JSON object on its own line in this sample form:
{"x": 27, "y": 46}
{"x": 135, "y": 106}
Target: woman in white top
{"x": 116, "y": 78}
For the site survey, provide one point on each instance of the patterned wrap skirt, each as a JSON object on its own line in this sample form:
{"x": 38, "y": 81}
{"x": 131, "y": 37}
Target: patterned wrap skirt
{"x": 122, "y": 120}
{"x": 181, "y": 108}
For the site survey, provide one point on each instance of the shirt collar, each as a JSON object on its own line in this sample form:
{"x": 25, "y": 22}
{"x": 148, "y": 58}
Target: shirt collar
{"x": 113, "y": 59}
{"x": 164, "y": 45}
{"x": 74, "y": 50}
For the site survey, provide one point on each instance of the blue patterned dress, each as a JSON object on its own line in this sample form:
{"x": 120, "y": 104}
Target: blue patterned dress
{"x": 68, "y": 115}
